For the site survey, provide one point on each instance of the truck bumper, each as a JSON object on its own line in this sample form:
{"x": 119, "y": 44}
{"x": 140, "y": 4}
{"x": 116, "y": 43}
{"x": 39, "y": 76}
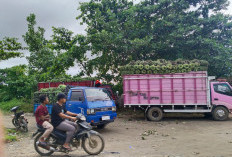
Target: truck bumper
{"x": 95, "y": 120}
{"x": 102, "y": 122}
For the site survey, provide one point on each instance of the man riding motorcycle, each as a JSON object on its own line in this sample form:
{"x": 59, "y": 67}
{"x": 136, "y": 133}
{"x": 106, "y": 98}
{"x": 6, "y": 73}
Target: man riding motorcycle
{"x": 67, "y": 133}
{"x": 58, "y": 116}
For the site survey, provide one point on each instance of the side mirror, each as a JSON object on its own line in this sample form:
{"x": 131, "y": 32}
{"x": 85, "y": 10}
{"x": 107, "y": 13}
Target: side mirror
{"x": 82, "y": 110}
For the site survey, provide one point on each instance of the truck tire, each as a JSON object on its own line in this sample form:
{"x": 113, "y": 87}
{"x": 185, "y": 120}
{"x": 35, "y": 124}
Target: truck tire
{"x": 220, "y": 113}
{"x": 155, "y": 114}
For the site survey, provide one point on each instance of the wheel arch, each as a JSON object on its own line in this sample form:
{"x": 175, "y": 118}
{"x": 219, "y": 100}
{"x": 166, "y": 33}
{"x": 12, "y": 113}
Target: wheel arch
{"x": 215, "y": 106}
{"x": 148, "y": 107}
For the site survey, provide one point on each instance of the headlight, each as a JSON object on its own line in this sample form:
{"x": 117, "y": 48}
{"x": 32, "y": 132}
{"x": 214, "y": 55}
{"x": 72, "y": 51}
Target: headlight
{"x": 114, "y": 108}
{"x": 90, "y": 111}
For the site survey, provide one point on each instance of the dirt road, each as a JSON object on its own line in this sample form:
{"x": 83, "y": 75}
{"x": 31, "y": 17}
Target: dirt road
{"x": 132, "y": 136}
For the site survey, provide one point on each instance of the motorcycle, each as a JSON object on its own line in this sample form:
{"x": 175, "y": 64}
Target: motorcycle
{"x": 91, "y": 141}
{"x": 19, "y": 120}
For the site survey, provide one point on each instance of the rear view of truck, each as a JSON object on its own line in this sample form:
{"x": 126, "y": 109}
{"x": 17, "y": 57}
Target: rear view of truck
{"x": 177, "y": 92}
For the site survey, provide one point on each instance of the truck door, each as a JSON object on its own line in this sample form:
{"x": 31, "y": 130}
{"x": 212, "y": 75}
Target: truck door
{"x": 76, "y": 101}
{"x": 222, "y": 94}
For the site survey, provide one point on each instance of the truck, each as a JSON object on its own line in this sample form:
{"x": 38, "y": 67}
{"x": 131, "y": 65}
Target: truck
{"x": 99, "y": 108}
{"x": 192, "y": 92}
{"x": 96, "y": 103}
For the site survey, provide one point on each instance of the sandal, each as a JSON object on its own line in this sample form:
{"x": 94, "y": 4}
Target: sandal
{"x": 69, "y": 149}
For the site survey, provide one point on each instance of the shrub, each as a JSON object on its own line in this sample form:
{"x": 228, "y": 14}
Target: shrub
{"x": 24, "y": 105}
{"x": 118, "y": 87}
{"x": 50, "y": 92}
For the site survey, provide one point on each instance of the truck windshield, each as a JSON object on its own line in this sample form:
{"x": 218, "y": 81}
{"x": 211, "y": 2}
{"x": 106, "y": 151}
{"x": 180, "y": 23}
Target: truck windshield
{"x": 98, "y": 94}
{"x": 222, "y": 88}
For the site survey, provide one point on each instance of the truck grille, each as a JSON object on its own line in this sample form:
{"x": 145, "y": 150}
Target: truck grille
{"x": 103, "y": 109}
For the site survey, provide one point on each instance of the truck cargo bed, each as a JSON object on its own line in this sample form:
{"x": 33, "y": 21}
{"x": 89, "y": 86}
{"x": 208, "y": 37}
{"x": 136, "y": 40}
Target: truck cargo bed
{"x": 167, "y": 89}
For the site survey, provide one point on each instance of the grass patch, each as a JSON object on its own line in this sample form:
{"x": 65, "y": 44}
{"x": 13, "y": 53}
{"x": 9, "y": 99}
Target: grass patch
{"x": 11, "y": 131}
{"x": 10, "y": 135}
{"x": 24, "y": 105}
{"x": 10, "y": 138}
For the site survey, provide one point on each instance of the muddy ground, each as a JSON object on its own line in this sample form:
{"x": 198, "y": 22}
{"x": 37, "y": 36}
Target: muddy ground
{"x": 131, "y": 135}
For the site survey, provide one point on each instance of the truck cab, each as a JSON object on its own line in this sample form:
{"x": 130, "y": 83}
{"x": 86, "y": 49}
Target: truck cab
{"x": 97, "y": 104}
{"x": 221, "y": 98}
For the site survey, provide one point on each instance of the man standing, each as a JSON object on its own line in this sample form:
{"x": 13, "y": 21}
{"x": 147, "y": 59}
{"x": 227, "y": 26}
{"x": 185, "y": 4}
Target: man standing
{"x": 97, "y": 83}
{"x": 43, "y": 118}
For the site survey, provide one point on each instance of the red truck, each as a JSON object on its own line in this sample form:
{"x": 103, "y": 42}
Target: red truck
{"x": 86, "y": 83}
{"x": 192, "y": 92}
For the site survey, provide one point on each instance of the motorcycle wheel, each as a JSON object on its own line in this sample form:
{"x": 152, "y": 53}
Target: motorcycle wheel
{"x": 41, "y": 151}
{"x": 24, "y": 125}
{"x": 15, "y": 123}
{"x": 94, "y": 145}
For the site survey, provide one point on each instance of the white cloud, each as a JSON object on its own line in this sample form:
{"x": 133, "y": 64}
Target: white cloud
{"x": 57, "y": 13}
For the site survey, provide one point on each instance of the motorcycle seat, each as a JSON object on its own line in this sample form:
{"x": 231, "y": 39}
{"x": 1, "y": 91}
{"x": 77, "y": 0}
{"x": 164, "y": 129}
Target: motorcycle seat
{"x": 60, "y": 134}
{"x": 40, "y": 128}
{"x": 59, "y": 131}
{"x": 14, "y": 109}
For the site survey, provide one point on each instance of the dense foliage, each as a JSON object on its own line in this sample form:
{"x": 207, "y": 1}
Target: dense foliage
{"x": 50, "y": 92}
{"x": 9, "y": 48}
{"x": 50, "y": 59}
{"x": 120, "y": 31}
{"x": 23, "y": 104}
{"x": 72, "y": 79}
{"x": 17, "y": 83}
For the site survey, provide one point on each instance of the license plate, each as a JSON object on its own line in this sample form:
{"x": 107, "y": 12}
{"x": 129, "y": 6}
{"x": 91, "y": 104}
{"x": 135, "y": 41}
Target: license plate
{"x": 105, "y": 117}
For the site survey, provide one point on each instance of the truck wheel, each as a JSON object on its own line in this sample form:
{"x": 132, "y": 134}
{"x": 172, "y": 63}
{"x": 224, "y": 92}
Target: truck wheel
{"x": 220, "y": 113}
{"x": 155, "y": 114}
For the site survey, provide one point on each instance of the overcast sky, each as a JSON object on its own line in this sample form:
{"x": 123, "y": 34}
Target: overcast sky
{"x": 58, "y": 13}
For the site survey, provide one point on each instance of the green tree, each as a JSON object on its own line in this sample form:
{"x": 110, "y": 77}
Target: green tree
{"x": 18, "y": 83}
{"x": 120, "y": 31}
{"x": 41, "y": 57}
{"x": 69, "y": 49}
{"x": 51, "y": 58}
{"x": 9, "y": 48}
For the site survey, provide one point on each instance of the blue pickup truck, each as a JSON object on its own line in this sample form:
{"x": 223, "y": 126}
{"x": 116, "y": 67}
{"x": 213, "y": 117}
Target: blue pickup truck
{"x": 97, "y": 104}
{"x": 99, "y": 108}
